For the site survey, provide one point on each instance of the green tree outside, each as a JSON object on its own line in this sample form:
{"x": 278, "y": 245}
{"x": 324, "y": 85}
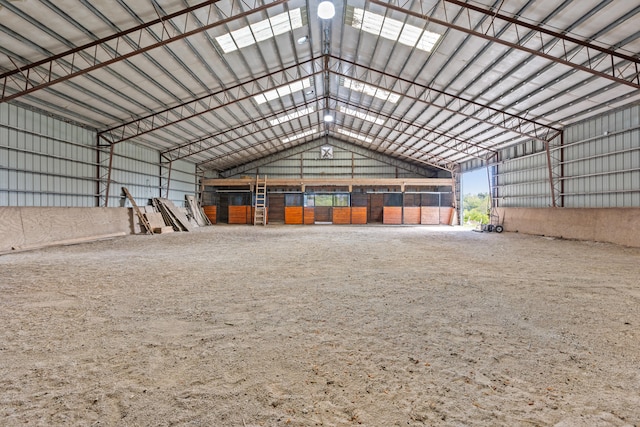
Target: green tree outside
{"x": 476, "y": 208}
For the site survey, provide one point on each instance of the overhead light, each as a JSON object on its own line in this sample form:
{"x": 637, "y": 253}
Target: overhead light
{"x": 326, "y": 10}
{"x": 303, "y": 39}
{"x": 328, "y": 118}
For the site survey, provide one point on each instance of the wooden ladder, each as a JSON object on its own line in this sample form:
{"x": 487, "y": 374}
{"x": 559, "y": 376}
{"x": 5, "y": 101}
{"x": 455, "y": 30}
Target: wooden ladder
{"x": 260, "y": 204}
{"x": 141, "y": 217}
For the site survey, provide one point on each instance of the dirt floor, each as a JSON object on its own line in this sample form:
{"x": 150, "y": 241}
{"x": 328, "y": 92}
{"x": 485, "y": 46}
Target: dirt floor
{"x": 322, "y": 326}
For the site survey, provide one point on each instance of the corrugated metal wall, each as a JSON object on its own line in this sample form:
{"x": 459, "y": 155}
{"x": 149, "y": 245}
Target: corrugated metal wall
{"x": 344, "y": 164}
{"x": 601, "y": 161}
{"x": 45, "y": 161}
{"x": 522, "y": 179}
{"x": 183, "y": 181}
{"x": 596, "y": 164}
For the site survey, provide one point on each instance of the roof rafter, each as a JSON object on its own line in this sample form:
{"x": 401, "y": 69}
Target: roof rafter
{"x": 444, "y": 100}
{"x": 108, "y": 50}
{"x": 210, "y": 102}
{"x": 626, "y": 71}
{"x": 213, "y": 141}
{"x": 419, "y": 131}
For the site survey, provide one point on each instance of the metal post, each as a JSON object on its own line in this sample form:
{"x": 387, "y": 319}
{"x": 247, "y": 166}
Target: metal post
{"x": 550, "y": 169}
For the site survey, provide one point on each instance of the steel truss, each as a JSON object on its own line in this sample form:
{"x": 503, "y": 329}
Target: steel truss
{"x": 28, "y": 78}
{"x": 539, "y": 41}
{"x": 443, "y": 100}
{"x": 211, "y": 102}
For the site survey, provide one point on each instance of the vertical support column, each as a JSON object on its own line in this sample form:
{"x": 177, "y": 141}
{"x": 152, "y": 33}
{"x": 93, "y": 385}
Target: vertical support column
{"x": 104, "y": 168}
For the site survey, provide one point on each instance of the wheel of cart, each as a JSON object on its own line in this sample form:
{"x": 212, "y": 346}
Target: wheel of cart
{"x": 495, "y": 224}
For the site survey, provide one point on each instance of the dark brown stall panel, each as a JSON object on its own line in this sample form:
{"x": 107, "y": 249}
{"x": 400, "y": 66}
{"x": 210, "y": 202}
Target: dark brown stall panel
{"x": 376, "y": 202}
{"x": 323, "y": 214}
{"x": 359, "y": 200}
{"x": 223, "y": 208}
{"x": 276, "y": 208}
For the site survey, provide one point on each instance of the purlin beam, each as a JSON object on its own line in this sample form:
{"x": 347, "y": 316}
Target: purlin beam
{"x": 67, "y": 69}
{"x": 632, "y": 80}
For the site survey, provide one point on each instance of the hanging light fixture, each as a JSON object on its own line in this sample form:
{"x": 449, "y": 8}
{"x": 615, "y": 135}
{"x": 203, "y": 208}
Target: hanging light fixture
{"x": 326, "y": 10}
{"x": 328, "y": 118}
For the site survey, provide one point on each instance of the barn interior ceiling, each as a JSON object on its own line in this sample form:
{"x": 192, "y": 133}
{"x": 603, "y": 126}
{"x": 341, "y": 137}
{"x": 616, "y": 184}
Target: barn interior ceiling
{"x": 224, "y": 83}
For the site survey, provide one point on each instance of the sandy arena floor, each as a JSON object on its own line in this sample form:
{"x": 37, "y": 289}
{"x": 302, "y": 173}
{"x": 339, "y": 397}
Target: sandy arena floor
{"x": 322, "y": 326}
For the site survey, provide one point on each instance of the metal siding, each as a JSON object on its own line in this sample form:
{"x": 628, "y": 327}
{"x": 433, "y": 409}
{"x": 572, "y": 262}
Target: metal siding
{"x": 344, "y": 164}
{"x": 40, "y": 168}
{"x": 602, "y": 161}
{"x": 183, "y": 182}
{"x": 522, "y": 182}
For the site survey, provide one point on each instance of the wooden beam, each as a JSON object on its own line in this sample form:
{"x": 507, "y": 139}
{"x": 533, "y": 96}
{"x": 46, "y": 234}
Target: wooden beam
{"x": 293, "y": 182}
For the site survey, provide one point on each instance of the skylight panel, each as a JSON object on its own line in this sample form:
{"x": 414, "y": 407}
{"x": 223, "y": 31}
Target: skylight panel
{"x": 367, "y": 89}
{"x": 410, "y": 35}
{"x": 226, "y": 43}
{"x": 260, "y": 31}
{"x": 289, "y": 117}
{"x": 428, "y": 41}
{"x": 298, "y": 136}
{"x": 393, "y": 29}
{"x": 243, "y": 37}
{"x": 285, "y": 90}
{"x": 355, "y": 135}
{"x": 361, "y": 115}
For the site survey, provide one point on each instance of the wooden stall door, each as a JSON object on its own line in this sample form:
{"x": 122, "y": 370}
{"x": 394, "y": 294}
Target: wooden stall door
{"x": 223, "y": 209}
{"x": 342, "y": 215}
{"x": 276, "y": 208}
{"x": 376, "y": 202}
{"x": 323, "y": 214}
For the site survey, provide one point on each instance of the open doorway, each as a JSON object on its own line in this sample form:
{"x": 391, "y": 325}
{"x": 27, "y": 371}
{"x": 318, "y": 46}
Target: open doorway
{"x": 476, "y": 200}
